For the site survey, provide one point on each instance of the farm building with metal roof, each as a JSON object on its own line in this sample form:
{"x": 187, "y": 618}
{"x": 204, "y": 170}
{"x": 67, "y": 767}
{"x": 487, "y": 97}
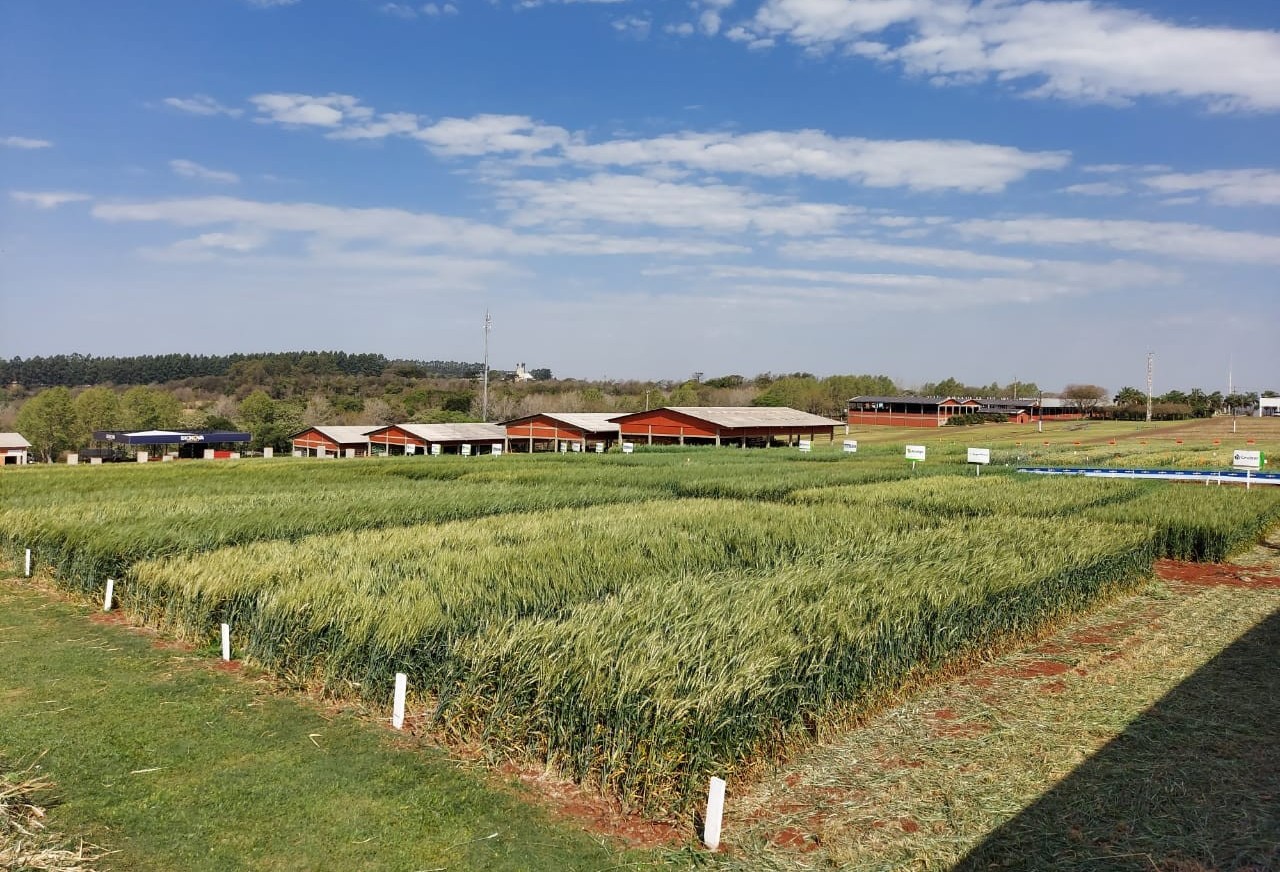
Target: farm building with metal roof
{"x": 551, "y": 431}
{"x": 14, "y": 449}
{"x": 333, "y": 441}
{"x": 720, "y": 425}
{"x": 907, "y": 411}
{"x": 399, "y": 439}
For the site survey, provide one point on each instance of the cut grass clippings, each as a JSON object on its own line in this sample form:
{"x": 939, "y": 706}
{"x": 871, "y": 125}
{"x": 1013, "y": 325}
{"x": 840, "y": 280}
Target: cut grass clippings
{"x": 26, "y": 841}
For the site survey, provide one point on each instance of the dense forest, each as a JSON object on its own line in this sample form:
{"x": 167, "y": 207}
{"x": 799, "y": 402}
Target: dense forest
{"x": 70, "y": 370}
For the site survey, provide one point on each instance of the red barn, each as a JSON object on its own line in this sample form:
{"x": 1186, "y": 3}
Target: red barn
{"x": 326, "y": 441}
{"x": 549, "y": 430}
{"x": 719, "y": 425}
{"x": 420, "y": 438}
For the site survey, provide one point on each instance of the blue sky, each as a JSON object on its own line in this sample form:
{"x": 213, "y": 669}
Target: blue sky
{"x": 924, "y": 188}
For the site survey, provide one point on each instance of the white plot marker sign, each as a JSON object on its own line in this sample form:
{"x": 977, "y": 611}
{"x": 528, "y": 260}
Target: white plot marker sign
{"x": 915, "y": 453}
{"x": 397, "y": 704}
{"x": 715, "y": 814}
{"x": 851, "y": 446}
{"x": 806, "y": 446}
{"x": 226, "y": 642}
{"x": 27, "y": 566}
{"x": 979, "y": 457}
{"x": 108, "y": 598}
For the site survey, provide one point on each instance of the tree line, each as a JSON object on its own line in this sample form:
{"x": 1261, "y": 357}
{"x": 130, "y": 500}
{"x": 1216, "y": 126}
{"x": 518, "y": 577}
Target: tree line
{"x": 72, "y": 370}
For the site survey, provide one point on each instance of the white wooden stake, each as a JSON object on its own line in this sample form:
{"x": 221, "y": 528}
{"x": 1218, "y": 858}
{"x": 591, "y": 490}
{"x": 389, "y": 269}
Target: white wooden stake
{"x": 715, "y": 814}
{"x": 226, "y": 642}
{"x": 397, "y": 707}
{"x": 109, "y": 596}
{"x": 28, "y": 564}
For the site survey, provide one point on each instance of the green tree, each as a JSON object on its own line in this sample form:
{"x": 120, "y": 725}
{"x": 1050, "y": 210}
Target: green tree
{"x": 97, "y": 409}
{"x": 48, "y": 421}
{"x": 146, "y": 408}
{"x": 1128, "y": 396}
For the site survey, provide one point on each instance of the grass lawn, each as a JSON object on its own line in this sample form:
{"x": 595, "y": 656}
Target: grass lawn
{"x": 171, "y": 763}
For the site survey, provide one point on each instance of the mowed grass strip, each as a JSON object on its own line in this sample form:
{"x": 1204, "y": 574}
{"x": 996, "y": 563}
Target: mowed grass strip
{"x": 172, "y": 764}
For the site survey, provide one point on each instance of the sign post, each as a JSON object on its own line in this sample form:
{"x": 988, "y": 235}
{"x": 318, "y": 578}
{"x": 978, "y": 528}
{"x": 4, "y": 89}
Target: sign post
{"x": 915, "y": 453}
{"x": 979, "y": 457}
{"x": 851, "y": 446}
{"x": 1249, "y": 461}
{"x": 805, "y": 446}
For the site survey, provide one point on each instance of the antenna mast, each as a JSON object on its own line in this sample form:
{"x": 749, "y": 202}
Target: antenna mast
{"x": 484, "y": 402}
{"x": 1150, "y": 366}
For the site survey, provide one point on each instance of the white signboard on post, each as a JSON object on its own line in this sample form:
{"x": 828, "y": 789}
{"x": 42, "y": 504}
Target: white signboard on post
{"x": 628, "y": 447}
{"x": 806, "y": 446}
{"x": 599, "y": 448}
{"x": 466, "y": 449}
{"x": 436, "y": 449}
{"x": 915, "y": 452}
{"x": 1247, "y": 459}
{"x": 495, "y": 450}
{"x": 851, "y": 446}
{"x": 979, "y": 455}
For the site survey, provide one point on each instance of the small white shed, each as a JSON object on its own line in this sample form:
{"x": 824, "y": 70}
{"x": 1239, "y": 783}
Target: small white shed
{"x": 14, "y": 450}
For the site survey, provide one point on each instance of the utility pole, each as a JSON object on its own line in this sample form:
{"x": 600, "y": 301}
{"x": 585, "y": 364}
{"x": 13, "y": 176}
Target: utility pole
{"x": 484, "y": 402}
{"x": 1150, "y": 367}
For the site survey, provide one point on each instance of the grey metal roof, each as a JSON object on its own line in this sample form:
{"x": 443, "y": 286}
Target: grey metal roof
{"x": 343, "y": 435}
{"x": 921, "y": 401}
{"x": 455, "y": 432}
{"x": 589, "y": 422}
{"x": 13, "y": 440}
{"x": 752, "y": 416}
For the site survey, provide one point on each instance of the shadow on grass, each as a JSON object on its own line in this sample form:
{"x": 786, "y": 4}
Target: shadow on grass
{"x": 1193, "y": 784}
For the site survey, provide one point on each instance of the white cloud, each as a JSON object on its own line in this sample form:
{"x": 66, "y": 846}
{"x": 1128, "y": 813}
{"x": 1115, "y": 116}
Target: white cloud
{"x": 268, "y": 4}
{"x": 25, "y": 142}
{"x": 640, "y": 200}
{"x": 386, "y": 124}
{"x": 435, "y": 10}
{"x": 684, "y": 28}
{"x": 1248, "y": 187}
{"x": 492, "y": 134}
{"x": 1070, "y": 49}
{"x": 330, "y": 110}
{"x": 399, "y": 10}
{"x": 1125, "y": 168}
{"x": 1165, "y": 238}
{"x": 189, "y": 169}
{"x": 914, "y": 255}
{"x": 396, "y": 230}
{"x": 709, "y": 22}
{"x": 634, "y": 26}
{"x": 922, "y": 292}
{"x": 925, "y": 165}
{"x": 1096, "y": 189}
{"x": 200, "y": 104}
{"x": 47, "y": 199}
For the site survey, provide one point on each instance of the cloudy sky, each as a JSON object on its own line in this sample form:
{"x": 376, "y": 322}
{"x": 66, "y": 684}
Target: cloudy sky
{"x": 985, "y": 189}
